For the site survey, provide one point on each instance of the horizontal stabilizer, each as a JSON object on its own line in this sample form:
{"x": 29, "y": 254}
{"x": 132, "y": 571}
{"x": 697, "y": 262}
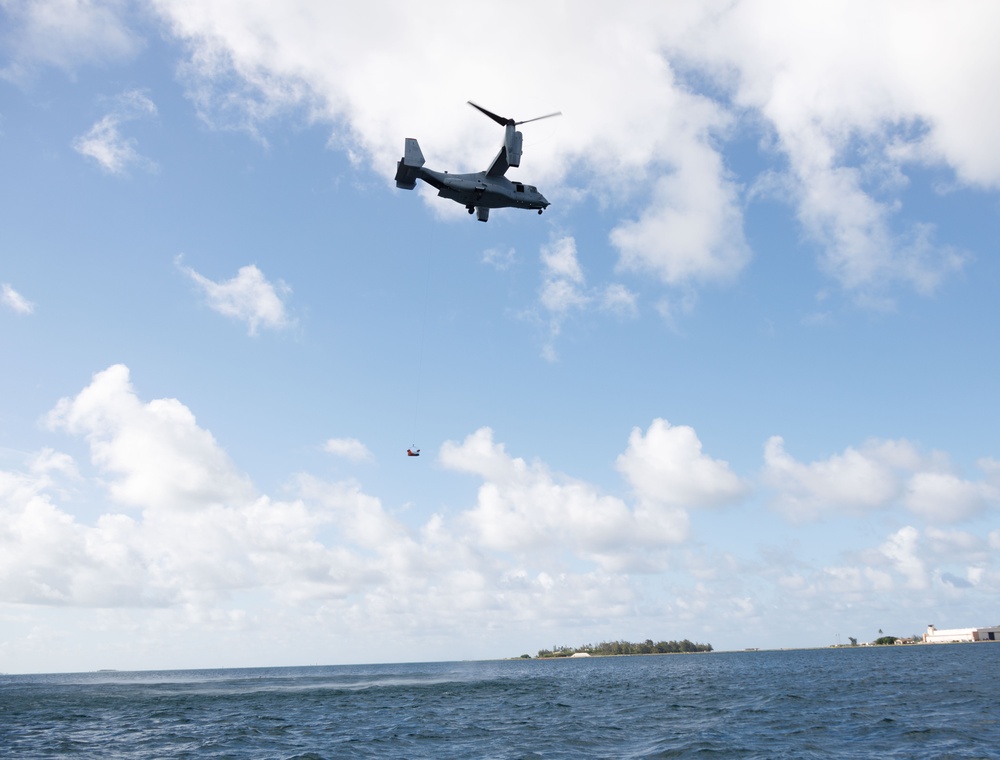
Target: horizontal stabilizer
{"x": 408, "y": 168}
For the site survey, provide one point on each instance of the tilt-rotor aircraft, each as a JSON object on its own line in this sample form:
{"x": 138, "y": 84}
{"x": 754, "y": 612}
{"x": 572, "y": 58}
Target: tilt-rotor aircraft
{"x": 481, "y": 191}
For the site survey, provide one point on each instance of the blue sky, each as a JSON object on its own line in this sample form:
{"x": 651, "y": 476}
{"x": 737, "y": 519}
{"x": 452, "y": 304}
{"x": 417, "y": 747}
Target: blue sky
{"x": 737, "y": 384}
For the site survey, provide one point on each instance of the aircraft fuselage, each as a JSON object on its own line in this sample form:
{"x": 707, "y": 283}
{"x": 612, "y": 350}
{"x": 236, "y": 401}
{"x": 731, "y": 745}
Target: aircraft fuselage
{"x": 481, "y": 190}
{"x": 478, "y": 192}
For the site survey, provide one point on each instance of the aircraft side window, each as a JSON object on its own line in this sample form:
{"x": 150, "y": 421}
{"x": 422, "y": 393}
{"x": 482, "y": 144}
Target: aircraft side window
{"x": 519, "y": 187}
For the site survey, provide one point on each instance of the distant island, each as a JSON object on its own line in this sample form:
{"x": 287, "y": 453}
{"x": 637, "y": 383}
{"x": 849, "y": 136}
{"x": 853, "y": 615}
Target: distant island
{"x": 612, "y": 648}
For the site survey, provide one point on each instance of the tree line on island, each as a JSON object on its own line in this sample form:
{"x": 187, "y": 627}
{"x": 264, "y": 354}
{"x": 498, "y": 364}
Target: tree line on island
{"x": 884, "y": 640}
{"x": 608, "y": 648}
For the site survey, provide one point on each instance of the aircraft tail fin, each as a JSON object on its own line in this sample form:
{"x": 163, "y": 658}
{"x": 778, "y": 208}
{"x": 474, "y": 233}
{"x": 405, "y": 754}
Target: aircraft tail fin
{"x": 411, "y": 153}
{"x": 408, "y": 167}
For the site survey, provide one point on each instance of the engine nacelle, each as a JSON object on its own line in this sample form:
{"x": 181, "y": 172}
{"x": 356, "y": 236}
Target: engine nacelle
{"x": 512, "y": 141}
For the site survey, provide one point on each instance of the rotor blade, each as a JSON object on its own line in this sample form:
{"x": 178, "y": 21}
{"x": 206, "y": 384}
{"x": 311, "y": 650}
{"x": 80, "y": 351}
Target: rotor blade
{"x": 498, "y": 119}
{"x": 539, "y": 118}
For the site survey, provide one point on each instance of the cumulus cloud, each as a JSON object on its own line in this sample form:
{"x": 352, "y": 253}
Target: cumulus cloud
{"x": 853, "y": 480}
{"x": 185, "y": 529}
{"x": 247, "y": 297}
{"x": 945, "y": 497}
{"x": 902, "y": 549}
{"x": 348, "y": 448}
{"x": 159, "y": 456}
{"x": 104, "y": 141}
{"x": 187, "y": 541}
{"x": 666, "y": 466}
{"x": 693, "y": 228}
{"x": 197, "y": 530}
{"x": 41, "y": 544}
{"x": 526, "y": 509}
{"x": 878, "y": 475}
{"x": 909, "y": 565}
{"x": 849, "y": 107}
{"x": 15, "y": 301}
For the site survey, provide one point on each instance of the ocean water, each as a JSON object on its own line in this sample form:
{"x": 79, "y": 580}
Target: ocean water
{"x": 907, "y": 702}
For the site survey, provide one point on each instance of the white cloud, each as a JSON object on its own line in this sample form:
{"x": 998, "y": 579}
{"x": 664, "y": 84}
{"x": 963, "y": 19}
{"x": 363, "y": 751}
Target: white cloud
{"x": 64, "y": 34}
{"x": 360, "y": 519}
{"x": 666, "y": 466}
{"x": 618, "y": 299}
{"x": 902, "y": 549}
{"x": 693, "y": 228}
{"x": 204, "y": 555}
{"x": 852, "y": 481}
{"x": 499, "y": 258}
{"x": 564, "y": 290}
{"x": 562, "y": 279}
{"x": 248, "y": 62}
{"x": 15, "y": 301}
{"x": 880, "y": 474}
{"x": 104, "y": 142}
{"x": 849, "y": 108}
{"x": 248, "y": 297}
{"x": 200, "y": 533}
{"x": 186, "y": 547}
{"x": 860, "y": 250}
{"x": 527, "y": 510}
{"x": 944, "y": 497}
{"x": 50, "y": 461}
{"x": 41, "y": 545}
{"x": 560, "y": 262}
{"x": 563, "y": 287}
{"x": 160, "y": 458}
{"x": 991, "y": 467}
{"x": 909, "y": 570}
{"x": 349, "y": 448}
{"x": 559, "y": 295}
{"x": 957, "y": 547}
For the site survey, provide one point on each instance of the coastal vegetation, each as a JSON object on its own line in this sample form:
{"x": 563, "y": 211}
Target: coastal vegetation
{"x": 887, "y": 640}
{"x": 609, "y": 648}
{"x": 882, "y": 641}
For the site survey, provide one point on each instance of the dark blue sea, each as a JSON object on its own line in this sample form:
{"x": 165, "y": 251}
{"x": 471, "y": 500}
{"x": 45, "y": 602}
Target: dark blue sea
{"x": 908, "y": 702}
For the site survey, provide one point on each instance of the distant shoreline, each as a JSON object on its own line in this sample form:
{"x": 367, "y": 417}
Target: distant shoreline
{"x": 760, "y": 650}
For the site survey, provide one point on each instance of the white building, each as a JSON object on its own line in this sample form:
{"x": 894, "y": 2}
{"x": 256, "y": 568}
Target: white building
{"x": 952, "y": 635}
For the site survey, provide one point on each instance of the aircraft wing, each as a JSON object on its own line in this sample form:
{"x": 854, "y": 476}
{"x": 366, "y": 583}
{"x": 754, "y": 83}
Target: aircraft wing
{"x": 499, "y": 166}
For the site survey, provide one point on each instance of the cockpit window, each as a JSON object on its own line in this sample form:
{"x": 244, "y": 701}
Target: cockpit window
{"x": 518, "y": 187}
